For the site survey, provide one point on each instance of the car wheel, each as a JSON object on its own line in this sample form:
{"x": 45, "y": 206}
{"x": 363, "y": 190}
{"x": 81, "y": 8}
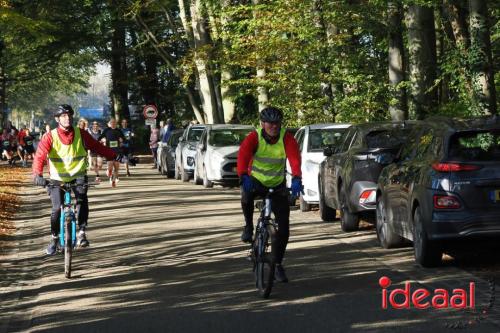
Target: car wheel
{"x": 206, "y": 183}
{"x": 348, "y": 221}
{"x": 327, "y": 213}
{"x": 197, "y": 179}
{"x": 385, "y": 233}
{"x": 304, "y": 206}
{"x": 427, "y": 253}
{"x": 184, "y": 174}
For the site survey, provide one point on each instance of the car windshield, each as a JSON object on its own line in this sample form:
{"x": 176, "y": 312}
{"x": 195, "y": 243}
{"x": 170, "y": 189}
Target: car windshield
{"x": 323, "y": 137}
{"x": 386, "y": 138}
{"x": 194, "y": 134}
{"x": 227, "y": 137}
{"x": 475, "y": 146}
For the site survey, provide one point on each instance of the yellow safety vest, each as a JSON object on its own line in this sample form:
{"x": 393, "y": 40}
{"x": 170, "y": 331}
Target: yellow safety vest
{"x": 269, "y": 161}
{"x": 67, "y": 162}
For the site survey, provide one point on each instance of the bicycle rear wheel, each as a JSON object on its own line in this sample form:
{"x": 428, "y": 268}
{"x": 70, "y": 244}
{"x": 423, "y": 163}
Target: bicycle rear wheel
{"x": 68, "y": 247}
{"x": 264, "y": 270}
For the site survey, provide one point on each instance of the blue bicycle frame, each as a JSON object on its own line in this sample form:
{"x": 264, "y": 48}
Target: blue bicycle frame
{"x": 65, "y": 210}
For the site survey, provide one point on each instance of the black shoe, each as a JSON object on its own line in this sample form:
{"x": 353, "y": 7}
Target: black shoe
{"x": 246, "y": 235}
{"x": 82, "y": 239}
{"x": 279, "y": 274}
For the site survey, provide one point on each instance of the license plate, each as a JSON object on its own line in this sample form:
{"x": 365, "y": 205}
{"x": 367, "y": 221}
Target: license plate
{"x": 495, "y": 196}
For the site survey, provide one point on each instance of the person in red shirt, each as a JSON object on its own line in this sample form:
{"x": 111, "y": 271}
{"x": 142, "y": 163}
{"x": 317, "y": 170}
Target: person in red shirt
{"x": 66, "y": 134}
{"x": 7, "y": 142}
{"x": 261, "y": 165}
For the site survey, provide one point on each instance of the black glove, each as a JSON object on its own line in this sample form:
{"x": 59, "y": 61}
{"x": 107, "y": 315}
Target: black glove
{"x": 40, "y": 181}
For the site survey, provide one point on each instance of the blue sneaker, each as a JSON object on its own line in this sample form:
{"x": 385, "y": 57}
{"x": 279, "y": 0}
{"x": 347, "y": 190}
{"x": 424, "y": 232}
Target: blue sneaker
{"x": 52, "y": 247}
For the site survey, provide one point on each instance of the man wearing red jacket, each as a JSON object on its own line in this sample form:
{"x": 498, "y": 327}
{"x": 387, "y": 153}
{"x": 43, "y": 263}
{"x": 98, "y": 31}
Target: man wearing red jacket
{"x": 66, "y": 148}
{"x": 261, "y": 165}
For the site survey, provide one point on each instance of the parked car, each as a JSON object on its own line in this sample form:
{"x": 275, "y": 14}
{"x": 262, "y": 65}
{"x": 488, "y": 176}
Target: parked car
{"x": 186, "y": 151}
{"x": 217, "y": 152}
{"x": 166, "y": 153}
{"x": 312, "y": 140}
{"x": 348, "y": 176}
{"x": 444, "y": 186}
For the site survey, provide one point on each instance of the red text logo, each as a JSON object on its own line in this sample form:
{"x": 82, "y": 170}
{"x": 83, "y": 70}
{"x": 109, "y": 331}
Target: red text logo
{"x": 421, "y": 298}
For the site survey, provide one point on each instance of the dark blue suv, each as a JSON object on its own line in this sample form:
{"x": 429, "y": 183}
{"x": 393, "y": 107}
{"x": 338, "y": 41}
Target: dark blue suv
{"x": 443, "y": 186}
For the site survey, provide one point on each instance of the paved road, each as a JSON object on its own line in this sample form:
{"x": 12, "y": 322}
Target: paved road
{"x": 165, "y": 256}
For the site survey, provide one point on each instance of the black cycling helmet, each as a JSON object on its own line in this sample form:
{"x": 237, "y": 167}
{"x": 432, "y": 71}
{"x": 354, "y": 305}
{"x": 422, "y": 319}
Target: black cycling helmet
{"x": 64, "y": 108}
{"x": 271, "y": 115}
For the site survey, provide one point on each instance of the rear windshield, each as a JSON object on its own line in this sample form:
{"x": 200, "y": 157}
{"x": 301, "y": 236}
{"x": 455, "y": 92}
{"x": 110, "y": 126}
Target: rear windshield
{"x": 386, "y": 138}
{"x": 229, "y": 137}
{"x": 194, "y": 134}
{"x": 475, "y": 146}
{"x": 321, "y": 138}
{"x": 174, "y": 139}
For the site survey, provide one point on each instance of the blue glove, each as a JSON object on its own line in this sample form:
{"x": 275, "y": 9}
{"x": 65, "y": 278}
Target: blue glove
{"x": 247, "y": 183}
{"x": 297, "y": 187}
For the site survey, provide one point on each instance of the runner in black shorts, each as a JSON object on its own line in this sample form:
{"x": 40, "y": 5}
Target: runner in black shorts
{"x": 114, "y": 140}
{"x": 7, "y": 143}
{"x": 27, "y": 148}
{"x": 128, "y": 133}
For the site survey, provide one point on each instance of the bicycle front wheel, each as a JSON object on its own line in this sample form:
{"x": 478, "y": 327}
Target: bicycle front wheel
{"x": 264, "y": 270}
{"x": 68, "y": 247}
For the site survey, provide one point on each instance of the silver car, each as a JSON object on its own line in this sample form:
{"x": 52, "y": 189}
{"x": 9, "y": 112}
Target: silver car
{"x": 217, "y": 152}
{"x": 186, "y": 151}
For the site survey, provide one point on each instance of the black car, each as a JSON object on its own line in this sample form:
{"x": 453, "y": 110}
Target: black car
{"x": 348, "y": 176}
{"x": 443, "y": 187}
{"x": 167, "y": 155}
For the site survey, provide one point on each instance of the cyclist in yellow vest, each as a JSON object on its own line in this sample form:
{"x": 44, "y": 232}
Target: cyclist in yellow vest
{"x": 66, "y": 149}
{"x": 261, "y": 165}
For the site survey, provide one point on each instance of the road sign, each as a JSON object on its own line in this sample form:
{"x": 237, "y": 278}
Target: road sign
{"x": 150, "y": 111}
{"x": 150, "y": 122}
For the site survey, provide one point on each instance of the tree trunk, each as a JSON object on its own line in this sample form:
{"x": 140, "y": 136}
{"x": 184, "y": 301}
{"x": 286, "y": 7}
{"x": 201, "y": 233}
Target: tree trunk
{"x": 323, "y": 35}
{"x": 3, "y": 94}
{"x": 262, "y": 92}
{"x": 202, "y": 60}
{"x": 456, "y": 13}
{"x": 151, "y": 83}
{"x": 480, "y": 57}
{"x": 422, "y": 56}
{"x": 119, "y": 79}
{"x": 398, "y": 110}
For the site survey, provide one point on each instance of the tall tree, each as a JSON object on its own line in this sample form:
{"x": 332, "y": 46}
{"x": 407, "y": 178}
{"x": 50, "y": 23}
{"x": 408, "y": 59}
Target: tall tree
{"x": 481, "y": 58}
{"x": 422, "y": 56}
{"x": 398, "y": 109}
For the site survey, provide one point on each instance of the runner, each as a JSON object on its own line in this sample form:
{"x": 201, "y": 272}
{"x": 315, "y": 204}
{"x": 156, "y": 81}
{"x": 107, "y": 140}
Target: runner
{"x": 26, "y": 147}
{"x": 128, "y": 134}
{"x": 7, "y": 141}
{"x": 114, "y": 140}
{"x": 95, "y": 160}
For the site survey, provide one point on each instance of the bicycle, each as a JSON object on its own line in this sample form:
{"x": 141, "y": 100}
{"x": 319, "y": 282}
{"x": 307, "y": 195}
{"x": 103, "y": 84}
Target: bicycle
{"x": 261, "y": 251}
{"x": 68, "y": 222}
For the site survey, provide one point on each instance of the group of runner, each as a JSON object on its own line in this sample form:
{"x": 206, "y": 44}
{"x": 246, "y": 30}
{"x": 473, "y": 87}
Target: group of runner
{"x": 117, "y": 139}
{"x": 17, "y": 143}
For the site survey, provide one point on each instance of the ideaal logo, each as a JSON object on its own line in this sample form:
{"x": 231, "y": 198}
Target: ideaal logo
{"x": 422, "y": 298}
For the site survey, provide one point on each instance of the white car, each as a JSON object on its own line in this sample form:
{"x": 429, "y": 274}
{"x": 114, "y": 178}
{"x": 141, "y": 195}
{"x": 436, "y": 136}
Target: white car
{"x": 312, "y": 139}
{"x": 186, "y": 151}
{"x": 217, "y": 152}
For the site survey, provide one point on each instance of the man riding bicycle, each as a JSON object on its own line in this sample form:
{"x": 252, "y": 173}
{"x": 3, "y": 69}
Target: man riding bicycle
{"x": 261, "y": 165}
{"x": 66, "y": 148}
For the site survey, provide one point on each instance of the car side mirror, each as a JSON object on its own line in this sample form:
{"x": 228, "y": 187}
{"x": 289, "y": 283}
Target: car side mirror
{"x": 201, "y": 146}
{"x": 328, "y": 151}
{"x": 181, "y": 139}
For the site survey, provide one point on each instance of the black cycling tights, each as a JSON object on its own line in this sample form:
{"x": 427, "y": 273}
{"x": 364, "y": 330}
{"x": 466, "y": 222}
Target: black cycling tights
{"x": 82, "y": 205}
{"x": 281, "y": 210}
